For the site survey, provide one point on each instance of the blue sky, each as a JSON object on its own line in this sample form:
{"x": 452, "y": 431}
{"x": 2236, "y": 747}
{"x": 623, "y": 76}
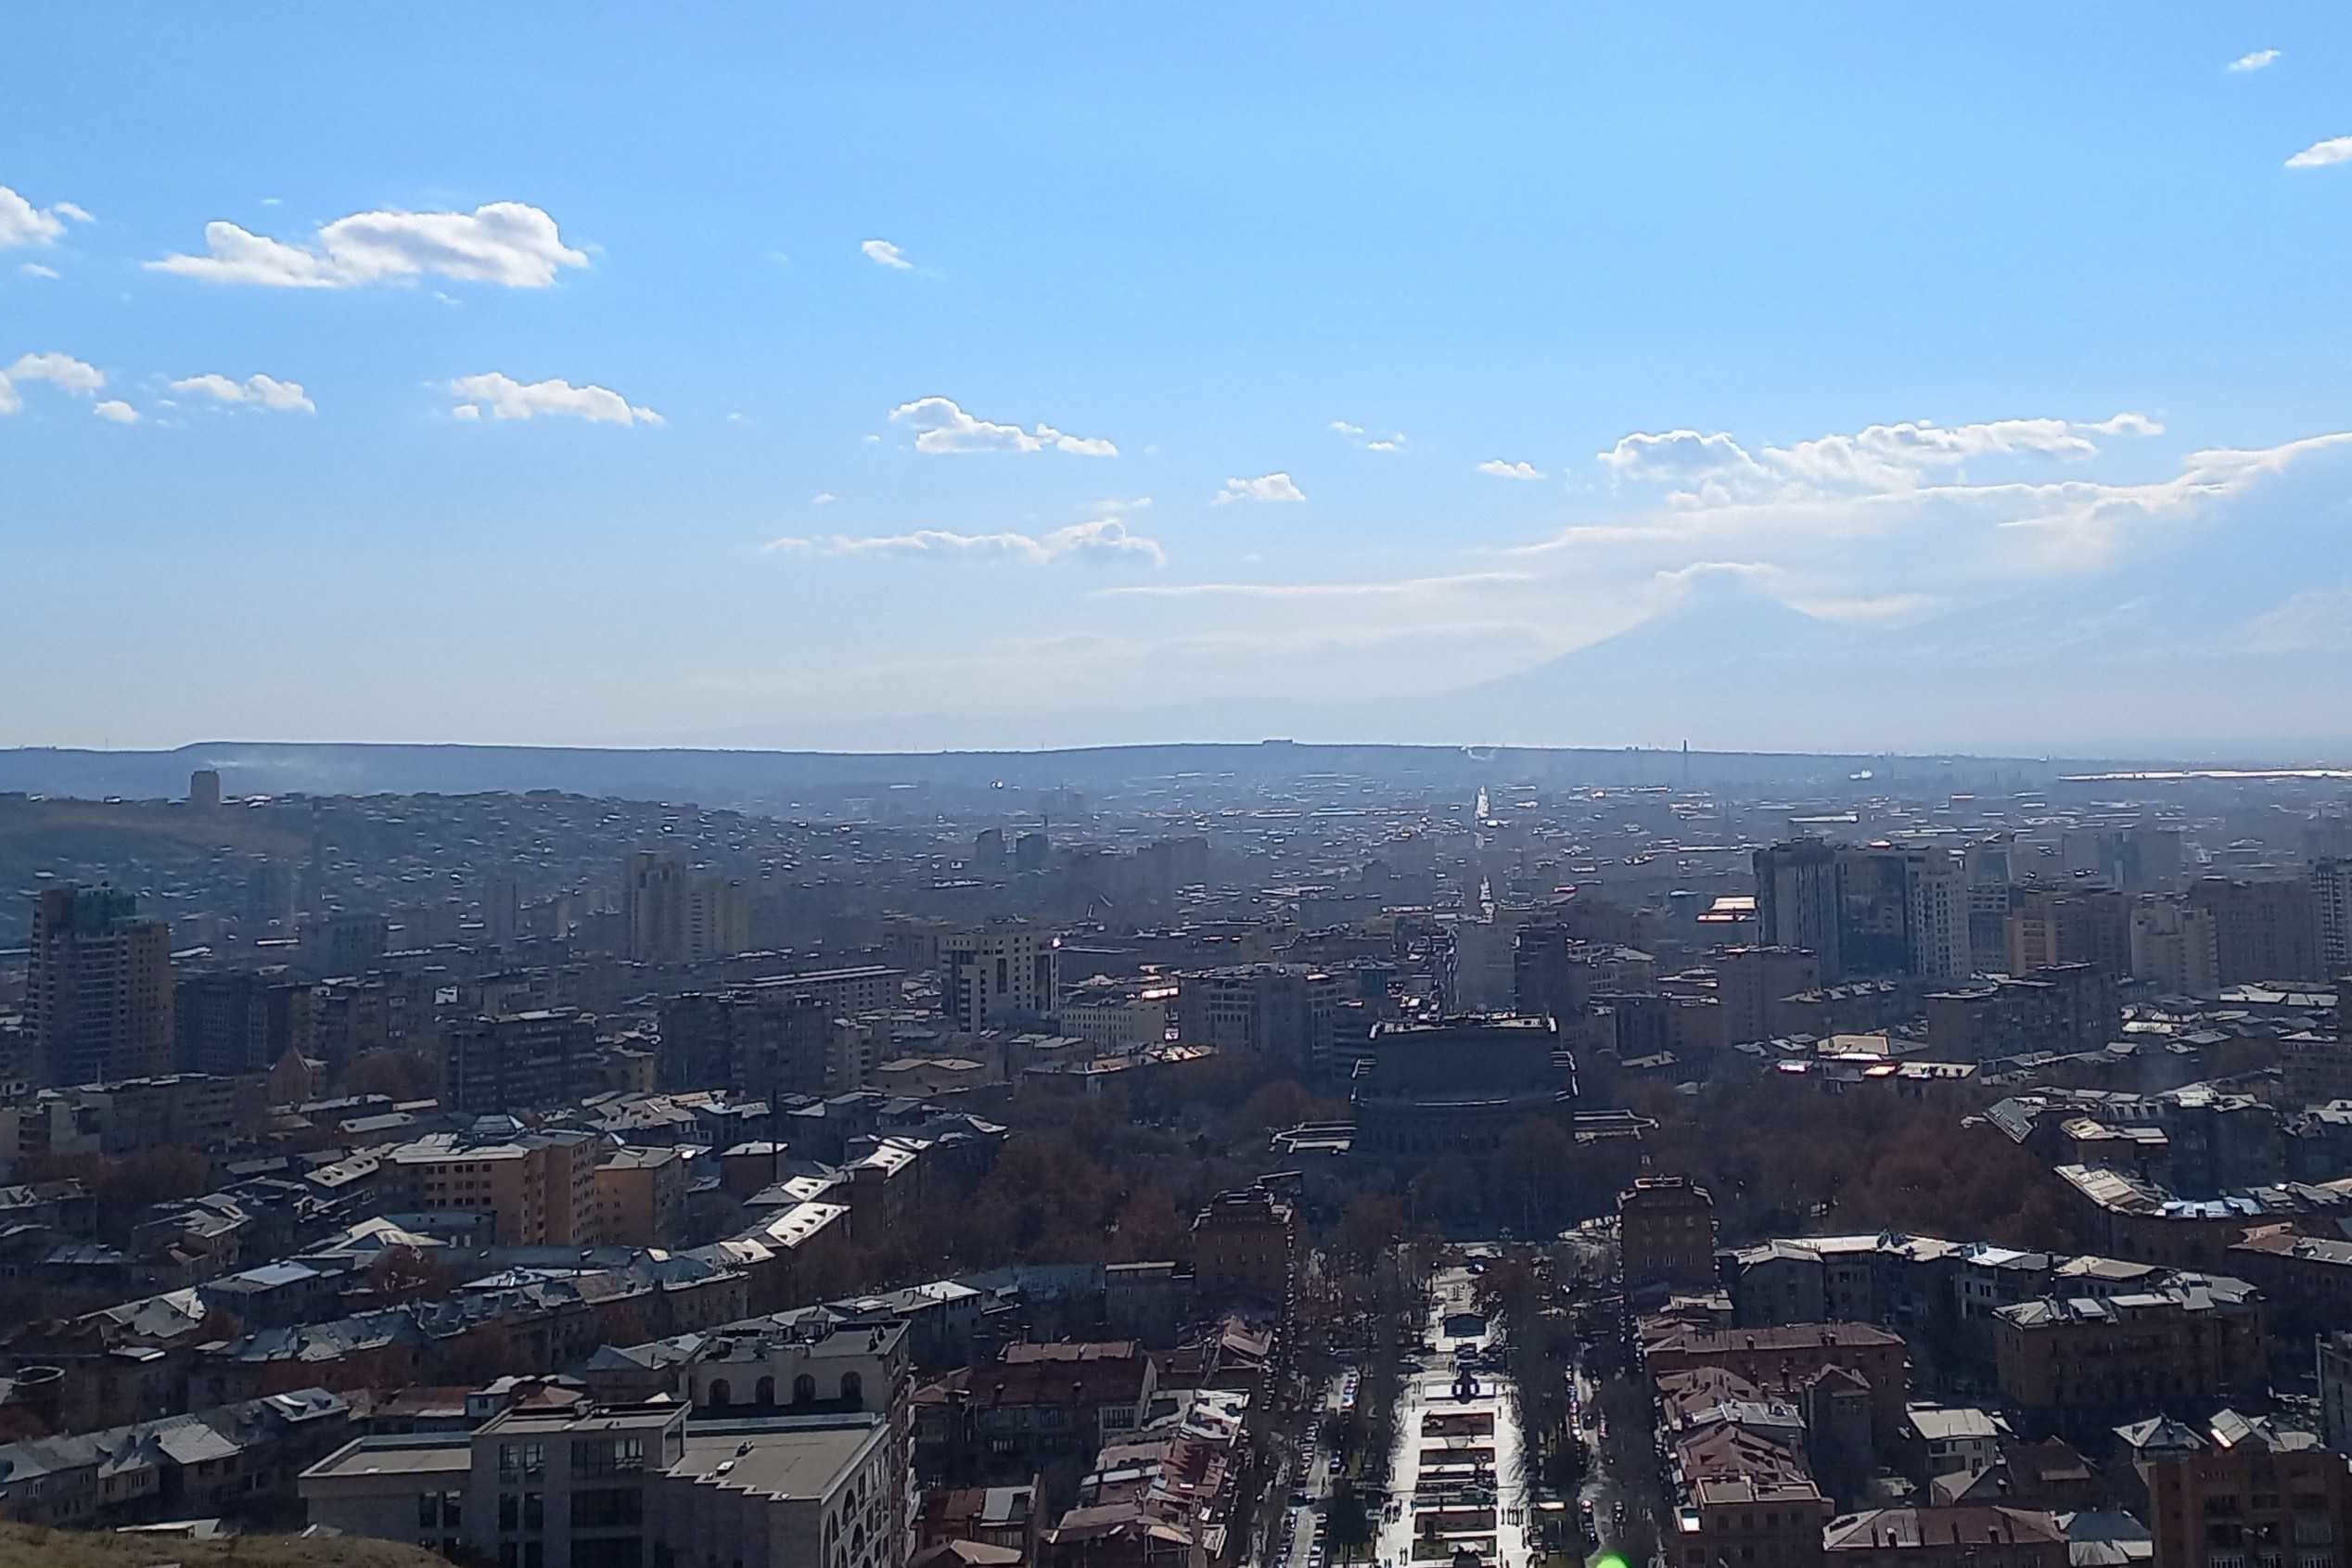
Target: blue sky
{"x": 1324, "y": 263}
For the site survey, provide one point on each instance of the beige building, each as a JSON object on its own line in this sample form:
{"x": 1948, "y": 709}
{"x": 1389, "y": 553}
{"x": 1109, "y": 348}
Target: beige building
{"x": 539, "y": 1188}
{"x": 641, "y": 1194}
{"x": 2173, "y": 947}
{"x": 999, "y": 972}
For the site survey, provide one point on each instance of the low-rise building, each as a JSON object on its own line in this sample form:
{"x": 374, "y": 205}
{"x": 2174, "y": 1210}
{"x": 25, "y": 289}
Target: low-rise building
{"x": 1960, "y": 1536}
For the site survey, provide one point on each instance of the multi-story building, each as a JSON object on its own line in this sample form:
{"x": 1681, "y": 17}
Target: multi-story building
{"x": 539, "y": 1188}
{"x": 2046, "y": 927}
{"x": 625, "y": 1486}
{"x": 1281, "y": 1011}
{"x": 1748, "y": 980}
{"x": 1244, "y": 1240}
{"x": 1665, "y": 1232}
{"x": 2332, "y": 915}
{"x": 2078, "y": 1362}
{"x": 1799, "y": 901}
{"x": 673, "y": 916}
{"x": 2263, "y": 930}
{"x": 243, "y": 1020}
{"x": 2174, "y": 947}
{"x": 345, "y": 943}
{"x": 516, "y": 1062}
{"x": 2335, "y": 1387}
{"x": 1036, "y": 1404}
{"x": 1119, "y": 1016}
{"x": 1962, "y": 1535}
{"x": 1765, "y": 1517}
{"x": 98, "y": 989}
{"x": 641, "y": 1194}
{"x": 2248, "y": 1491}
{"x": 759, "y": 1041}
{"x": 999, "y": 973}
{"x": 1781, "y": 1360}
{"x": 1457, "y": 1086}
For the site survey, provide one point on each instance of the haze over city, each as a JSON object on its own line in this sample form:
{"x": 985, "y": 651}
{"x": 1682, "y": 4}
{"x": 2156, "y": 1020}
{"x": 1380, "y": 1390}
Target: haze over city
{"x": 835, "y": 379}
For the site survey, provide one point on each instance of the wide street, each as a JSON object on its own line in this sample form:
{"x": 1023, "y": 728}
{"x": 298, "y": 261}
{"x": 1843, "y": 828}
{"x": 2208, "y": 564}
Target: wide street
{"x": 1455, "y": 1478}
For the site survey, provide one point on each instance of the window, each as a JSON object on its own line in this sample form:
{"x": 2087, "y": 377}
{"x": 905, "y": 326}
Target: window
{"x": 853, "y": 1386}
{"x": 804, "y": 1388}
{"x": 719, "y": 1393}
{"x": 767, "y": 1392}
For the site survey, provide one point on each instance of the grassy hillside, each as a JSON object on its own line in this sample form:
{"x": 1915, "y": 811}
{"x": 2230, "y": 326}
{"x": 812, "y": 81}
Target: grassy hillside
{"x": 23, "y": 1546}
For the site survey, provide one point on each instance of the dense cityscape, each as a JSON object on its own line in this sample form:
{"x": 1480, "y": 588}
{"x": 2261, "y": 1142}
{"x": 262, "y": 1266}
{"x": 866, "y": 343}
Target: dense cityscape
{"x": 1246, "y": 1155}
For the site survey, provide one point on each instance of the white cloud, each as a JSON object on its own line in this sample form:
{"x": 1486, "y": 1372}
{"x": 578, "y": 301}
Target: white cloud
{"x": 260, "y": 391}
{"x": 940, "y": 425}
{"x": 1354, "y": 435}
{"x": 2254, "y": 62}
{"x": 883, "y": 253}
{"x": 23, "y": 223}
{"x": 508, "y": 243}
{"x": 67, "y": 374}
{"x": 1406, "y": 588}
{"x": 823, "y": 498}
{"x": 1100, "y": 541}
{"x": 119, "y": 412}
{"x": 1880, "y": 457}
{"x": 1502, "y": 470}
{"x": 35, "y": 269}
{"x": 1677, "y": 455}
{"x": 1267, "y": 487}
{"x": 2318, "y": 155}
{"x": 507, "y": 398}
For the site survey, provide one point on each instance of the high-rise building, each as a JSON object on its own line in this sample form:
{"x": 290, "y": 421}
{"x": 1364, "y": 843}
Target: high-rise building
{"x": 2173, "y": 947}
{"x": 98, "y": 996}
{"x": 501, "y": 910}
{"x": 1001, "y": 972}
{"x": 204, "y": 789}
{"x": 1798, "y": 901}
{"x": 345, "y": 944}
{"x": 759, "y": 1041}
{"x": 2332, "y": 914}
{"x": 674, "y": 917}
{"x": 517, "y": 1062}
{"x": 2091, "y": 926}
{"x": 2263, "y": 930}
{"x": 243, "y": 1020}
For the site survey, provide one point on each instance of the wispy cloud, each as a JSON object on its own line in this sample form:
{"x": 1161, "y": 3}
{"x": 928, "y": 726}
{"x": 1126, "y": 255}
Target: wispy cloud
{"x": 35, "y": 269}
{"x": 508, "y": 243}
{"x": 823, "y": 498}
{"x": 1403, "y": 588}
{"x": 2258, "y": 61}
{"x": 1266, "y": 487}
{"x": 254, "y": 391}
{"x": 505, "y": 398}
{"x": 941, "y": 425}
{"x": 1355, "y": 436}
{"x": 1498, "y": 469}
{"x": 2320, "y": 155}
{"x": 1100, "y": 541}
{"x": 883, "y": 253}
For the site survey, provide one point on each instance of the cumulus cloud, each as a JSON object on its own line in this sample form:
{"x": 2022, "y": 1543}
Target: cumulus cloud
{"x": 506, "y": 398}
{"x": 257, "y": 392}
{"x": 1716, "y": 469}
{"x": 1497, "y": 467}
{"x": 35, "y": 269}
{"x": 883, "y": 253}
{"x": 1099, "y": 540}
{"x": 23, "y": 223}
{"x": 2252, "y": 62}
{"x": 1345, "y": 429}
{"x": 823, "y": 498}
{"x": 940, "y": 425}
{"x": 117, "y": 410}
{"x": 509, "y": 243}
{"x": 1266, "y": 487}
{"x": 68, "y": 375}
{"x": 2318, "y": 155}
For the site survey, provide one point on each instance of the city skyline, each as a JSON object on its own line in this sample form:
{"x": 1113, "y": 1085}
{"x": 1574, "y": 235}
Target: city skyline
{"x": 839, "y": 384}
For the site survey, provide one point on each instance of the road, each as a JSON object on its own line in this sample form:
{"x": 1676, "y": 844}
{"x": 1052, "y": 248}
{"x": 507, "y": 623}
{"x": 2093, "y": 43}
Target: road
{"x": 1297, "y": 1547}
{"x": 1456, "y": 1477}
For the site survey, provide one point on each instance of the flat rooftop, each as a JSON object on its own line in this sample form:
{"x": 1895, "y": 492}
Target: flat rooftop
{"x": 439, "y": 1454}
{"x": 787, "y": 1464}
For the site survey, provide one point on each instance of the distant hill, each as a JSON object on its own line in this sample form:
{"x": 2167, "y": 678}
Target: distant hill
{"x": 21, "y": 1546}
